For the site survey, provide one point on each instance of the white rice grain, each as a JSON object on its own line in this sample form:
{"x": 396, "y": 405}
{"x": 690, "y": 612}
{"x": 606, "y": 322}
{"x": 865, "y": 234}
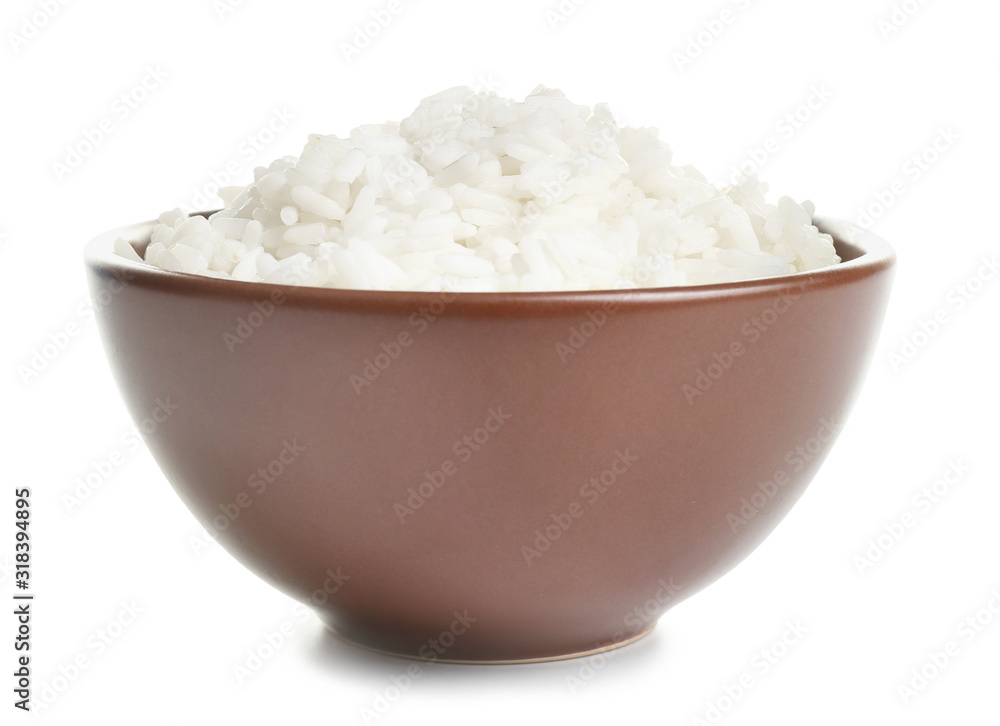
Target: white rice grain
{"x": 477, "y": 193}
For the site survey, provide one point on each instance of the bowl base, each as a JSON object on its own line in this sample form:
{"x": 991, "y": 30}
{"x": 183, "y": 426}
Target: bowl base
{"x": 515, "y": 661}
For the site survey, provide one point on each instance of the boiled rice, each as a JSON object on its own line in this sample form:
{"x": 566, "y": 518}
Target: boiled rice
{"x": 477, "y": 193}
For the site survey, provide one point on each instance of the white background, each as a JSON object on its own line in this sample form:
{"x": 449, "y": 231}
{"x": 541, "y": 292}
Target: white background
{"x": 889, "y": 92}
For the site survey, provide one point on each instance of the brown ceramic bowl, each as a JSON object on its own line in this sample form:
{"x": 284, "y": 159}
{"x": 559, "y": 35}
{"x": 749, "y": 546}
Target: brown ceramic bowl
{"x": 490, "y": 477}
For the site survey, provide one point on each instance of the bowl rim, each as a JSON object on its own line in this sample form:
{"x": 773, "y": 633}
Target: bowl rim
{"x": 864, "y": 254}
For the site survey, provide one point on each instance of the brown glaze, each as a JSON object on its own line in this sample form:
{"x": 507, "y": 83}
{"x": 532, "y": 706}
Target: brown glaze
{"x": 541, "y": 421}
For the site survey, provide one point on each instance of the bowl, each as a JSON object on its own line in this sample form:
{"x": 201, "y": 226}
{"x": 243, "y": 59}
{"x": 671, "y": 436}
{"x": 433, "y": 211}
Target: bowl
{"x": 490, "y": 477}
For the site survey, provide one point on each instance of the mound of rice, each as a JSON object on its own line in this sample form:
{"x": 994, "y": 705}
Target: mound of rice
{"x": 478, "y": 193}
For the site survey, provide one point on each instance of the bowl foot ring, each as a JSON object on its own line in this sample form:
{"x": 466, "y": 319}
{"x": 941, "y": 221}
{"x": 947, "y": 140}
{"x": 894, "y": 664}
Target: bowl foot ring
{"x": 515, "y": 661}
